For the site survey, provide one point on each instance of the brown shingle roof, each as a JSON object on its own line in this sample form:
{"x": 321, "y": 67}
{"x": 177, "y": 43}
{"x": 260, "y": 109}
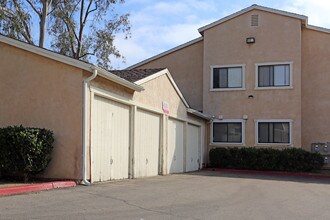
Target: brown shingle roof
{"x": 135, "y": 74}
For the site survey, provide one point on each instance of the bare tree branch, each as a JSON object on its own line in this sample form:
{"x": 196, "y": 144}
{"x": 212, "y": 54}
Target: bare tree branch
{"x": 34, "y": 8}
{"x": 86, "y": 54}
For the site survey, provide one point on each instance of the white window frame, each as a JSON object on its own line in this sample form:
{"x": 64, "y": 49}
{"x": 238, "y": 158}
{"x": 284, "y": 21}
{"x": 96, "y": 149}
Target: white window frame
{"x": 290, "y": 121}
{"x": 290, "y": 63}
{"x": 242, "y": 121}
{"x": 227, "y": 66}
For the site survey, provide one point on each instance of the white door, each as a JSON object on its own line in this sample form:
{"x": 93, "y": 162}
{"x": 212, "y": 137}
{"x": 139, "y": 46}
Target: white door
{"x": 147, "y": 141}
{"x": 193, "y": 147}
{"x": 175, "y": 146}
{"x": 110, "y": 140}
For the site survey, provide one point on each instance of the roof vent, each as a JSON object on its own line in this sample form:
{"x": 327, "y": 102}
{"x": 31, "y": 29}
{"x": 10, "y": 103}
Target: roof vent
{"x": 254, "y": 20}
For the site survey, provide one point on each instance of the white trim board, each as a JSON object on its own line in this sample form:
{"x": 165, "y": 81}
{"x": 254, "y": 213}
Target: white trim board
{"x": 130, "y": 102}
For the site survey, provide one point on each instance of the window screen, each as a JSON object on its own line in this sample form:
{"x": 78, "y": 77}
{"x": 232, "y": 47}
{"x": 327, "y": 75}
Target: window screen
{"x": 227, "y": 132}
{"x": 228, "y": 77}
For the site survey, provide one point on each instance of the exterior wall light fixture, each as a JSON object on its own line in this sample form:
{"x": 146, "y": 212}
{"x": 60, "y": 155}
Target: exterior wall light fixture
{"x": 250, "y": 40}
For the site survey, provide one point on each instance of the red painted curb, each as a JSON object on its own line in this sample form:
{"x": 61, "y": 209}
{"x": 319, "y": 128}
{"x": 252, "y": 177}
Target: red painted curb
{"x": 35, "y": 187}
{"x": 308, "y": 175}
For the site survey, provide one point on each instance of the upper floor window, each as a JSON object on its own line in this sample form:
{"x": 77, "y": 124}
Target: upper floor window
{"x": 274, "y": 75}
{"x": 227, "y": 77}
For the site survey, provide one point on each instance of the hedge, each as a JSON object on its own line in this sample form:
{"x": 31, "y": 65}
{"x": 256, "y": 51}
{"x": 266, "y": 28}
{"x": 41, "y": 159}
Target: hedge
{"x": 267, "y": 159}
{"x": 24, "y": 151}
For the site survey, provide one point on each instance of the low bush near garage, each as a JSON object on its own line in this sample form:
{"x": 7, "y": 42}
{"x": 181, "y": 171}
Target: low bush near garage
{"x": 268, "y": 159}
{"x": 24, "y": 151}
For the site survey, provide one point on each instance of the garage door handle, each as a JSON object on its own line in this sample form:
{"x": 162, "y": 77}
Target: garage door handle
{"x": 147, "y": 161}
{"x": 111, "y": 161}
{"x": 192, "y": 159}
{"x": 174, "y": 157}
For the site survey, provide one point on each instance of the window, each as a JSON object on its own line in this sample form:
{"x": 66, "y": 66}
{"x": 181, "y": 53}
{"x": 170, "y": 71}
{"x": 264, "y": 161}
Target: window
{"x": 227, "y": 77}
{"x": 274, "y": 132}
{"x": 228, "y": 132}
{"x": 278, "y": 75}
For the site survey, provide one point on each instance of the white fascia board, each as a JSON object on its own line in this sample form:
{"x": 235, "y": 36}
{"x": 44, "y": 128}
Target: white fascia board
{"x": 68, "y": 60}
{"x": 164, "y": 53}
{"x": 316, "y": 28}
{"x": 177, "y": 88}
{"x": 112, "y": 77}
{"x": 252, "y": 7}
{"x": 199, "y": 114}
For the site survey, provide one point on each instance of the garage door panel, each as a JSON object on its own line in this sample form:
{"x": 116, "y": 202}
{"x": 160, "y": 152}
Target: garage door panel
{"x": 193, "y": 148}
{"x": 146, "y": 152}
{"x": 110, "y": 140}
{"x": 120, "y": 141}
{"x": 175, "y": 146}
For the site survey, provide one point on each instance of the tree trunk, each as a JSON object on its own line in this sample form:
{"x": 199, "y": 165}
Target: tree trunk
{"x": 43, "y": 19}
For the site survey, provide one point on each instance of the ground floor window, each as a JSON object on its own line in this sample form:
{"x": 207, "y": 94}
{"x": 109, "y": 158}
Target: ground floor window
{"x": 227, "y": 131}
{"x": 274, "y": 132}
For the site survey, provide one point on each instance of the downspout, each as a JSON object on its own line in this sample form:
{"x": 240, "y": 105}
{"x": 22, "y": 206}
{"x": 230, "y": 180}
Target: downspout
{"x": 85, "y": 121}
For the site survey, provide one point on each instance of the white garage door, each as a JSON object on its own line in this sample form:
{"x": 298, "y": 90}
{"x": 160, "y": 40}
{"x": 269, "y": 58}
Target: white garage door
{"x": 146, "y": 152}
{"x": 193, "y": 146}
{"x": 175, "y": 146}
{"x": 110, "y": 140}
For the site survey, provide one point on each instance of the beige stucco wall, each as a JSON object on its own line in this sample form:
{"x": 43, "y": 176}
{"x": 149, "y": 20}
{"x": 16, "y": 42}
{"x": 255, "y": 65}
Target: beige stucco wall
{"x": 186, "y": 67}
{"x": 39, "y": 92}
{"x": 315, "y": 87}
{"x": 158, "y": 90}
{"x": 277, "y": 40}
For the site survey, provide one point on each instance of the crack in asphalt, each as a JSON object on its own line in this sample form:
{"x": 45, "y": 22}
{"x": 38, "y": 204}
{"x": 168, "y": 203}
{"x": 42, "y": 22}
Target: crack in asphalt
{"x": 141, "y": 207}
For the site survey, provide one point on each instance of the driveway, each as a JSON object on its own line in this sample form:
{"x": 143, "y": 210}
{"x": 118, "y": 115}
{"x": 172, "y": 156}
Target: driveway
{"x": 199, "y": 195}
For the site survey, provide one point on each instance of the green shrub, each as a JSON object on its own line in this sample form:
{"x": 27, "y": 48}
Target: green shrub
{"x": 289, "y": 159}
{"x": 25, "y": 151}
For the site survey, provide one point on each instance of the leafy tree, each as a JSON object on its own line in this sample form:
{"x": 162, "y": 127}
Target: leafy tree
{"x": 16, "y": 18}
{"x": 81, "y": 29}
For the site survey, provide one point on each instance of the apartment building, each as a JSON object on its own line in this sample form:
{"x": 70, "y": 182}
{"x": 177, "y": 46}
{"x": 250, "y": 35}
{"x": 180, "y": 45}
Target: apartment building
{"x": 261, "y": 74}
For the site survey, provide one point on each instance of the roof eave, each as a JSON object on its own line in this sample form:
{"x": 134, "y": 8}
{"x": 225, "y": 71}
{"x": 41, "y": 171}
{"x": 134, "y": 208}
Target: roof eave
{"x": 165, "y": 53}
{"x": 112, "y": 77}
{"x": 198, "y": 114}
{"x": 303, "y": 18}
{"x": 70, "y": 61}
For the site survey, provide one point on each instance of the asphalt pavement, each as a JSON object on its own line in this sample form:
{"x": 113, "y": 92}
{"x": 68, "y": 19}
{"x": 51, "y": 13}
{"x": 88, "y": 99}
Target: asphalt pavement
{"x": 199, "y": 195}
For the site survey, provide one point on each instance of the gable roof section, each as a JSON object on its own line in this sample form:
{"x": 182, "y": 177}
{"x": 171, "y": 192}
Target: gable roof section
{"x": 303, "y": 18}
{"x": 165, "y": 53}
{"x": 140, "y": 76}
{"x": 68, "y": 60}
{"x": 135, "y": 75}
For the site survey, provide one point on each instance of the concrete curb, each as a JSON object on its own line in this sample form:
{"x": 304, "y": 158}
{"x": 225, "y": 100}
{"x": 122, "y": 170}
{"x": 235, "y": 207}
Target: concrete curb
{"x": 271, "y": 173}
{"x": 35, "y": 187}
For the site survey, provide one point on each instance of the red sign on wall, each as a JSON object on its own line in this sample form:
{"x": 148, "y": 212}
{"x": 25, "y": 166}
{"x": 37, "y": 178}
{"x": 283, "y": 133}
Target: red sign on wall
{"x": 166, "y": 107}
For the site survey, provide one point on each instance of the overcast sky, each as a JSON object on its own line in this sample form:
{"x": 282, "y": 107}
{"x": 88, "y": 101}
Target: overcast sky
{"x": 159, "y": 25}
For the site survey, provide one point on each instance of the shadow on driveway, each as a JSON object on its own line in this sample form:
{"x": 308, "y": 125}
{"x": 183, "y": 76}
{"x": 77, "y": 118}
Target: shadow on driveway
{"x": 275, "y": 177}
